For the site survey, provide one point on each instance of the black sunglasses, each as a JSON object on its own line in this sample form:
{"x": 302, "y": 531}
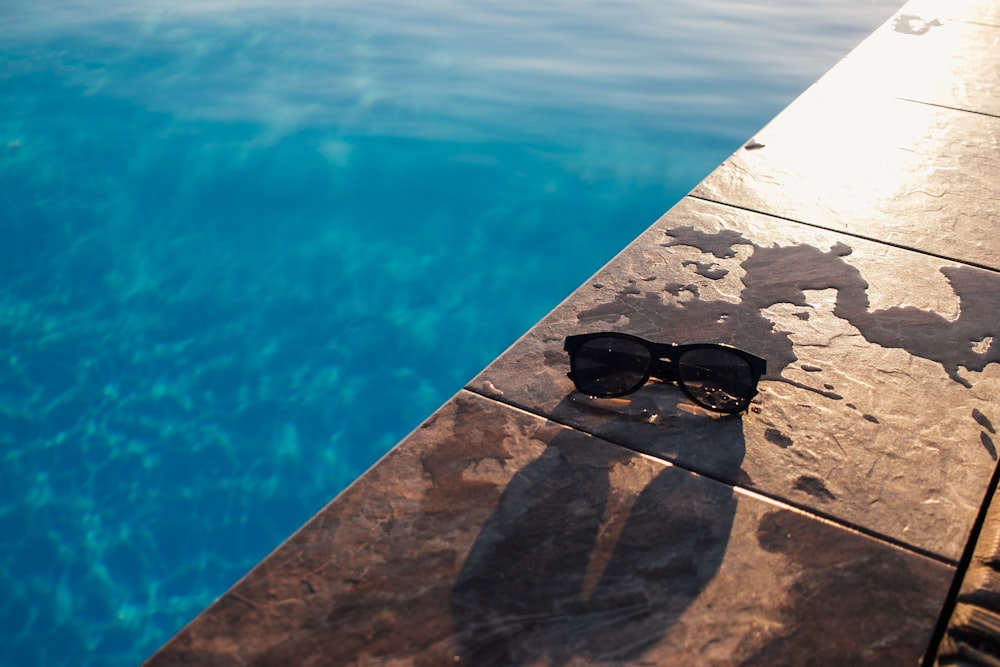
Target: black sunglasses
{"x": 713, "y": 375}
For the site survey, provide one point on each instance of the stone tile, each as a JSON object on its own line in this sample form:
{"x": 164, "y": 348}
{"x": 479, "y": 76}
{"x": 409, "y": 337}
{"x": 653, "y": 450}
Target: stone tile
{"x": 880, "y": 362}
{"x": 856, "y": 154}
{"x": 925, "y": 54}
{"x": 493, "y": 537}
{"x": 908, "y": 174}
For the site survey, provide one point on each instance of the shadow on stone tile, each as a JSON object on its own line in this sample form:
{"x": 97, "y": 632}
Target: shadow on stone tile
{"x": 847, "y": 598}
{"x": 494, "y": 537}
{"x": 567, "y": 569}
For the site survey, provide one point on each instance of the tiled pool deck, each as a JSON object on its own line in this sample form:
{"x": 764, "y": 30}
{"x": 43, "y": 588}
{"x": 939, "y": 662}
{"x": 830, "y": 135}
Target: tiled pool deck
{"x": 852, "y": 242}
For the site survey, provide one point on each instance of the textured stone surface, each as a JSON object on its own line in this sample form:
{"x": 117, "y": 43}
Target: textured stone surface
{"x": 493, "y": 537}
{"x": 879, "y": 360}
{"x": 885, "y": 146}
{"x": 909, "y": 174}
{"x": 932, "y": 54}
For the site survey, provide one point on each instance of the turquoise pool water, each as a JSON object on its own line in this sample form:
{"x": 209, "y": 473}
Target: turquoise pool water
{"x": 244, "y": 249}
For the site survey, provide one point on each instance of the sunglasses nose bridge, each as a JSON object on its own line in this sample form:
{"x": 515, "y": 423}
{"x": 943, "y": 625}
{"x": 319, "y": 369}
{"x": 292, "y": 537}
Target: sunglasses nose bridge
{"x": 663, "y": 369}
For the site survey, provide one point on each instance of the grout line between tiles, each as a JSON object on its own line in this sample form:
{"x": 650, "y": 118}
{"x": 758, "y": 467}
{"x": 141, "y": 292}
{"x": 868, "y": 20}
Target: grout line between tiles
{"x": 949, "y": 107}
{"x": 962, "y": 568}
{"x": 829, "y": 518}
{"x": 872, "y": 239}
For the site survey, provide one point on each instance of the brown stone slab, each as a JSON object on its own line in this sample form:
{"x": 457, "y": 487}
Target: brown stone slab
{"x": 925, "y": 54}
{"x": 909, "y": 174}
{"x": 493, "y": 537}
{"x": 880, "y": 360}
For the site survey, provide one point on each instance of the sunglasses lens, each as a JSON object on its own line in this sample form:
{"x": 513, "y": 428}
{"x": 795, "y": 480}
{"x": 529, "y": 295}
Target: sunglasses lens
{"x": 610, "y": 366}
{"x": 717, "y": 379}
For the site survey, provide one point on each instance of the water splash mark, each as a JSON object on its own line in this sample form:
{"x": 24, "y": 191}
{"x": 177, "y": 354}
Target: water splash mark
{"x": 984, "y": 437}
{"x": 776, "y": 437}
{"x": 719, "y": 244}
{"x": 676, "y": 289}
{"x": 815, "y": 487}
{"x": 988, "y": 444}
{"x": 630, "y": 288}
{"x": 911, "y": 24}
{"x": 783, "y": 274}
{"x": 983, "y": 420}
{"x": 832, "y": 395}
{"x": 786, "y": 274}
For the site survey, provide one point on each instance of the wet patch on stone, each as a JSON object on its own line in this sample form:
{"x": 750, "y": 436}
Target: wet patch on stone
{"x": 911, "y": 24}
{"x": 677, "y": 288}
{"x": 720, "y": 244}
{"x": 983, "y": 420}
{"x": 707, "y": 270}
{"x": 776, "y": 437}
{"x": 845, "y": 590}
{"x": 782, "y": 274}
{"x": 815, "y": 487}
{"x": 988, "y": 445}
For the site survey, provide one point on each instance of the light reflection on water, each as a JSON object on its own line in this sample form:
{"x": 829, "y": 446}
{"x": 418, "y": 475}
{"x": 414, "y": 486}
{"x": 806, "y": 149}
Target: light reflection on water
{"x": 245, "y": 249}
{"x": 398, "y": 68}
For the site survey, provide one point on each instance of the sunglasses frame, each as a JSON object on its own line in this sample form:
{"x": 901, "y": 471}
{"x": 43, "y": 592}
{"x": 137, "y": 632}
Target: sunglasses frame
{"x": 663, "y": 363}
